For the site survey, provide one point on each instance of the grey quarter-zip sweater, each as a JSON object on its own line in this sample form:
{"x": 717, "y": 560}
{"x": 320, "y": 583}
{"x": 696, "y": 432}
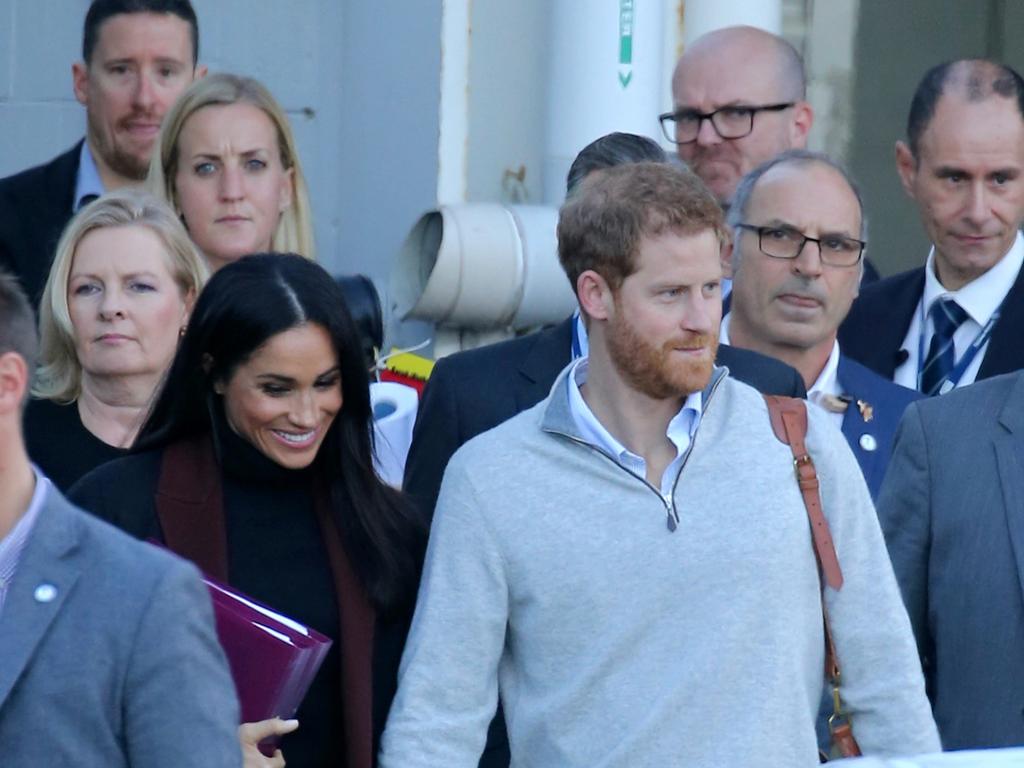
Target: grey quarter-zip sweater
{"x": 552, "y": 577}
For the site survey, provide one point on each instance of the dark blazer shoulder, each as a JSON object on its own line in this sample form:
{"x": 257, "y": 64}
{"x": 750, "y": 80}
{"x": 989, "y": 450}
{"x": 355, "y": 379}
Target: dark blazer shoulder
{"x": 874, "y": 329}
{"x": 122, "y": 492}
{"x": 472, "y": 391}
{"x": 35, "y": 205}
{"x": 765, "y": 374}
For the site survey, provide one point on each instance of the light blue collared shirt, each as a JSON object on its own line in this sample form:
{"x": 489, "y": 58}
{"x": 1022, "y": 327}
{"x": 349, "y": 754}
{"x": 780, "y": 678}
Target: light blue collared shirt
{"x": 88, "y": 181}
{"x": 13, "y": 544}
{"x": 680, "y": 432}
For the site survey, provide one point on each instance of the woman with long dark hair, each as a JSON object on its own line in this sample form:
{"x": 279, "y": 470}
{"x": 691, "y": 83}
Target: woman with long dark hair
{"x": 256, "y": 462}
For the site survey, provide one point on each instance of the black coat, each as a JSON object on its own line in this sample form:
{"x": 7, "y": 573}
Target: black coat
{"x": 873, "y": 331}
{"x": 35, "y": 206}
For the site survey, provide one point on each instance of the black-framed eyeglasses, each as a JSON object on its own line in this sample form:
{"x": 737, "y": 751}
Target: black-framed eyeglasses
{"x": 733, "y": 122}
{"x": 781, "y": 242}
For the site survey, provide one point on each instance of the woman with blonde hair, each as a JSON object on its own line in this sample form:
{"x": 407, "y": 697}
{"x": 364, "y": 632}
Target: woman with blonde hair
{"x": 226, "y": 162}
{"x": 118, "y": 297}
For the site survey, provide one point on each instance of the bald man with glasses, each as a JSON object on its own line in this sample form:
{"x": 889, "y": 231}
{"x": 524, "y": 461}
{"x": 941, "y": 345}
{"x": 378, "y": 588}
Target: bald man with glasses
{"x": 739, "y": 99}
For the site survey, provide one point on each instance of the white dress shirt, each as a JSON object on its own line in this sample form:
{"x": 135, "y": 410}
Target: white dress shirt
{"x": 979, "y": 299}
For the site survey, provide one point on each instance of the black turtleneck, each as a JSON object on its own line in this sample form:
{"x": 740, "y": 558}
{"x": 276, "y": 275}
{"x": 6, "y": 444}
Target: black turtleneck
{"x": 276, "y": 554}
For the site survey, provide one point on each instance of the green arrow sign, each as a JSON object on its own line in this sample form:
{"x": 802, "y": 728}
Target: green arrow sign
{"x": 625, "y": 42}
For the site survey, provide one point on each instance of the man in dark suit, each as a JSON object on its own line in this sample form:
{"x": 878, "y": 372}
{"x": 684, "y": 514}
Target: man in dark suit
{"x": 109, "y": 651}
{"x": 958, "y": 318}
{"x": 950, "y": 510}
{"x": 798, "y": 228}
{"x": 138, "y": 56}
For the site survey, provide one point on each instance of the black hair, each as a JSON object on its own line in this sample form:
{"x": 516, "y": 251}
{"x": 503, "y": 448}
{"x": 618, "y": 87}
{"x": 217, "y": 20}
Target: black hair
{"x": 609, "y": 151}
{"x": 17, "y": 324}
{"x": 981, "y": 79}
{"x": 240, "y": 309}
{"x": 101, "y": 10}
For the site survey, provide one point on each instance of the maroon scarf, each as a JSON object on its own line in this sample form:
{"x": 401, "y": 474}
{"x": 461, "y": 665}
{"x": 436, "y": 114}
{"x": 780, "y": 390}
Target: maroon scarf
{"x": 190, "y": 506}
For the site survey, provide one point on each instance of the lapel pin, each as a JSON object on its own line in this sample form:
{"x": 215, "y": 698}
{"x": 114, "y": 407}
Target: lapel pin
{"x": 868, "y": 442}
{"x": 867, "y": 412}
{"x": 45, "y": 593}
{"x": 834, "y": 404}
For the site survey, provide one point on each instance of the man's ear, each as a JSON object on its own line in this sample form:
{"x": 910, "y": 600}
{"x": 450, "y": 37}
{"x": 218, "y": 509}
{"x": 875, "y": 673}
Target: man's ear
{"x": 594, "y": 295}
{"x": 80, "y": 82}
{"x": 906, "y": 167}
{"x": 13, "y": 381}
{"x": 725, "y": 257}
{"x": 200, "y": 72}
{"x": 800, "y": 127}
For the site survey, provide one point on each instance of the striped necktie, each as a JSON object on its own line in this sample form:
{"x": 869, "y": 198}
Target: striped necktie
{"x": 946, "y": 317}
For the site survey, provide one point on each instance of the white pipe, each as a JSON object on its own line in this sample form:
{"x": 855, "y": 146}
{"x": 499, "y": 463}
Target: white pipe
{"x": 482, "y": 266}
{"x": 453, "y": 120}
{"x": 605, "y": 76}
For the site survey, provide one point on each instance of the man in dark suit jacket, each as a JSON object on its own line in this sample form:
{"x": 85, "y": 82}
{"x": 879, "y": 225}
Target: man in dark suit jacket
{"x": 797, "y": 252}
{"x": 963, "y": 164}
{"x": 138, "y": 57}
{"x": 950, "y": 510}
{"x": 109, "y": 651}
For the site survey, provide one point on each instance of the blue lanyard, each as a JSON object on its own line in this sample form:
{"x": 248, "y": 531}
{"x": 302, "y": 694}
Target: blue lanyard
{"x": 577, "y": 349}
{"x": 954, "y": 376}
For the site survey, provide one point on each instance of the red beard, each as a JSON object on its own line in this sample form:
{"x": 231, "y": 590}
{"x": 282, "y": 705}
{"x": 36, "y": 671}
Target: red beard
{"x": 660, "y": 372}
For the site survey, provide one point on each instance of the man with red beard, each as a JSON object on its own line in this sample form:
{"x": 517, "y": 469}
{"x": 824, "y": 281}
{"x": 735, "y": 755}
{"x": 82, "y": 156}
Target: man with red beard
{"x": 138, "y": 56}
{"x": 627, "y": 564}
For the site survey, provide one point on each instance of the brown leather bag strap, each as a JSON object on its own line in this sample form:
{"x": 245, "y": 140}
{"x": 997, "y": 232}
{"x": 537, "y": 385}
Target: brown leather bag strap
{"x": 789, "y": 422}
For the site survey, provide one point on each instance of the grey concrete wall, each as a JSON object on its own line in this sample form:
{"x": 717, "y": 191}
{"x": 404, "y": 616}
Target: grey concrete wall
{"x": 359, "y": 80}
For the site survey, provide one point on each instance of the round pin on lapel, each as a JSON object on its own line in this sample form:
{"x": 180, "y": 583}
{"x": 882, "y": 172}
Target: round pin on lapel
{"x": 45, "y": 593}
{"x": 868, "y": 442}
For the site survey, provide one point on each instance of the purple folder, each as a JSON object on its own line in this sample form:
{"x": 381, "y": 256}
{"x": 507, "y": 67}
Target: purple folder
{"x": 273, "y": 659}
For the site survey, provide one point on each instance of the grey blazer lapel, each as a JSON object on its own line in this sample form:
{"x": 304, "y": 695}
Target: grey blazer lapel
{"x": 48, "y": 559}
{"x": 1009, "y": 448}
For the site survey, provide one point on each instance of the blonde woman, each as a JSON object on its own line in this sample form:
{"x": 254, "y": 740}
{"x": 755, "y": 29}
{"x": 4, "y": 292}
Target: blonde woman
{"x": 226, "y": 162}
{"x": 118, "y": 297}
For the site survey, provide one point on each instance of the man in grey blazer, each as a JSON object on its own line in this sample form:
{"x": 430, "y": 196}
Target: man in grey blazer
{"x": 108, "y": 655}
{"x": 952, "y": 511}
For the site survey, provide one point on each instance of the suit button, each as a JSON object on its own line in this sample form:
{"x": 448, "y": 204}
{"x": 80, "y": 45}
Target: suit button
{"x": 868, "y": 442}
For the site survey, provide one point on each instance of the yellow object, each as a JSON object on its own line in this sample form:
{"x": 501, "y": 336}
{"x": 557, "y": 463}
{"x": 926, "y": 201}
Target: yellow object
{"x": 409, "y": 364}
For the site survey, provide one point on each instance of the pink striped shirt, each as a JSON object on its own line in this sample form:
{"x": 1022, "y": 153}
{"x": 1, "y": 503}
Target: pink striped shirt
{"x": 12, "y": 545}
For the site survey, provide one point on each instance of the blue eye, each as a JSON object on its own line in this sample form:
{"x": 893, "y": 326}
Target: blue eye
{"x": 86, "y": 289}
{"x": 204, "y": 169}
